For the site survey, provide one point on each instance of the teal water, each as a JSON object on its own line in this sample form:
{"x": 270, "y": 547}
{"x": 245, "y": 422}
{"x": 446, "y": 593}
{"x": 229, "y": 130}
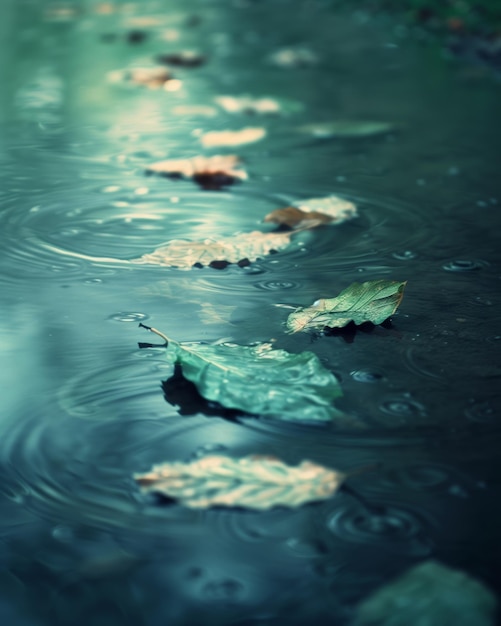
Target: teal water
{"x": 83, "y": 407}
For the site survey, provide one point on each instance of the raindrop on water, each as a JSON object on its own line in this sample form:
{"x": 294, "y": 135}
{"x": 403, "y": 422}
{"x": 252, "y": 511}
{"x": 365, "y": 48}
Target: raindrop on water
{"x": 463, "y": 265}
{"x": 125, "y": 316}
{"x": 276, "y": 285}
{"x": 404, "y": 255}
{"x": 366, "y": 376}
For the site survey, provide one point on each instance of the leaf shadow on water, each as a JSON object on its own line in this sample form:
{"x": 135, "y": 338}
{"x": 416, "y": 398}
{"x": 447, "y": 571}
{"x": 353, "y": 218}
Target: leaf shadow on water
{"x": 350, "y": 331}
{"x": 182, "y": 394}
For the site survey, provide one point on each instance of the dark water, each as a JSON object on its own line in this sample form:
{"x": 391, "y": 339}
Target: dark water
{"x": 83, "y": 406}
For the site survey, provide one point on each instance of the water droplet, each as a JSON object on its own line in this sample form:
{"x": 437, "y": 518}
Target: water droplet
{"x": 276, "y": 285}
{"x": 226, "y": 590}
{"x": 464, "y": 265}
{"x": 403, "y": 407}
{"x": 124, "y": 316}
{"x": 62, "y": 533}
{"x": 93, "y": 281}
{"x": 253, "y": 269}
{"x": 480, "y": 412}
{"x": 404, "y": 255}
{"x": 366, "y": 376}
{"x": 111, "y": 189}
{"x": 208, "y": 448}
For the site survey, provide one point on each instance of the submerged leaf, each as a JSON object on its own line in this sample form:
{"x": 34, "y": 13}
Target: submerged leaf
{"x": 244, "y": 246}
{"x": 220, "y": 138}
{"x": 315, "y": 210}
{"x": 209, "y": 172}
{"x": 347, "y": 129}
{"x": 253, "y": 482}
{"x": 259, "y": 380}
{"x": 429, "y": 594}
{"x": 373, "y": 301}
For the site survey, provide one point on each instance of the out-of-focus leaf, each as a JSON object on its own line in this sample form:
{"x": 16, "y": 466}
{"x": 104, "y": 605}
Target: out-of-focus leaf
{"x": 253, "y": 482}
{"x": 227, "y": 138}
{"x": 259, "y": 380}
{"x": 314, "y": 211}
{"x": 347, "y": 129}
{"x": 209, "y": 172}
{"x": 429, "y": 594}
{"x": 194, "y": 109}
{"x": 262, "y": 106}
{"x": 183, "y": 58}
{"x": 373, "y": 301}
{"x": 294, "y": 57}
{"x": 152, "y": 77}
{"x": 244, "y": 246}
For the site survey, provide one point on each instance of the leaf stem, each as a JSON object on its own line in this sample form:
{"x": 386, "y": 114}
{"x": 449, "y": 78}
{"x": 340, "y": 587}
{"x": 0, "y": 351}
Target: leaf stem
{"x": 157, "y": 332}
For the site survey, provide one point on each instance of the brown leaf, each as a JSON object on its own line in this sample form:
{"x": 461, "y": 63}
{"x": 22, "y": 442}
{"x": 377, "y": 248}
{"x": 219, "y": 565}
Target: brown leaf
{"x": 312, "y": 212}
{"x": 292, "y": 217}
{"x": 209, "y": 172}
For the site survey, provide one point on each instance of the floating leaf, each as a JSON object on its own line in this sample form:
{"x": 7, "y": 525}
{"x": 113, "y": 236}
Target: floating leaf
{"x": 429, "y": 594}
{"x": 152, "y": 77}
{"x": 347, "y": 129}
{"x": 183, "y": 58}
{"x": 373, "y": 301}
{"x": 209, "y": 172}
{"x": 315, "y": 210}
{"x": 253, "y": 482}
{"x": 259, "y": 380}
{"x": 220, "y": 138}
{"x": 294, "y": 57}
{"x": 244, "y": 246}
{"x": 194, "y": 109}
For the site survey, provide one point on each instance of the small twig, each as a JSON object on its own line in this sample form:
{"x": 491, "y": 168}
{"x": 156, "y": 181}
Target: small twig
{"x": 156, "y": 332}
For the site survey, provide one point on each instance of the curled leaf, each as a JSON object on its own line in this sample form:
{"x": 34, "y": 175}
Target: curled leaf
{"x": 346, "y": 129}
{"x": 253, "y": 482}
{"x": 220, "y": 138}
{"x": 209, "y": 172}
{"x": 373, "y": 301}
{"x": 183, "y": 58}
{"x": 244, "y": 246}
{"x": 314, "y": 211}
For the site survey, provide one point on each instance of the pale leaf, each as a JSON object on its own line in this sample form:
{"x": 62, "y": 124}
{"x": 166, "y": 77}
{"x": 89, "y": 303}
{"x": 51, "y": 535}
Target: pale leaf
{"x": 244, "y": 246}
{"x": 373, "y": 301}
{"x": 253, "y": 482}
{"x": 230, "y": 138}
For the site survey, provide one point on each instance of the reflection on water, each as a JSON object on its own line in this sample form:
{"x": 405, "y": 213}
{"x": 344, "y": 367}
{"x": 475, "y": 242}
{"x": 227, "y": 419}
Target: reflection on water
{"x": 83, "y": 407}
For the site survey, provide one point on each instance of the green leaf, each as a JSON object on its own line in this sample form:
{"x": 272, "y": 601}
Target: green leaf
{"x": 258, "y": 379}
{"x": 244, "y": 246}
{"x": 253, "y": 482}
{"x": 373, "y": 301}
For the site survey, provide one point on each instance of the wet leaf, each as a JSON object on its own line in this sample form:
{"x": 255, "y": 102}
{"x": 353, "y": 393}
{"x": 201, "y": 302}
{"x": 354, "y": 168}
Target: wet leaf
{"x": 227, "y": 138}
{"x": 252, "y": 482}
{"x": 314, "y": 211}
{"x": 373, "y": 301}
{"x": 259, "y": 380}
{"x": 183, "y": 58}
{"x": 347, "y": 129}
{"x": 429, "y": 594}
{"x": 151, "y": 77}
{"x": 209, "y": 172}
{"x": 244, "y": 246}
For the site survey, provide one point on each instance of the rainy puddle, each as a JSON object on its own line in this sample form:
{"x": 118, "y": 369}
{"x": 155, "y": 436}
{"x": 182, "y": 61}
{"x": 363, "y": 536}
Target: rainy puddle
{"x": 319, "y": 105}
